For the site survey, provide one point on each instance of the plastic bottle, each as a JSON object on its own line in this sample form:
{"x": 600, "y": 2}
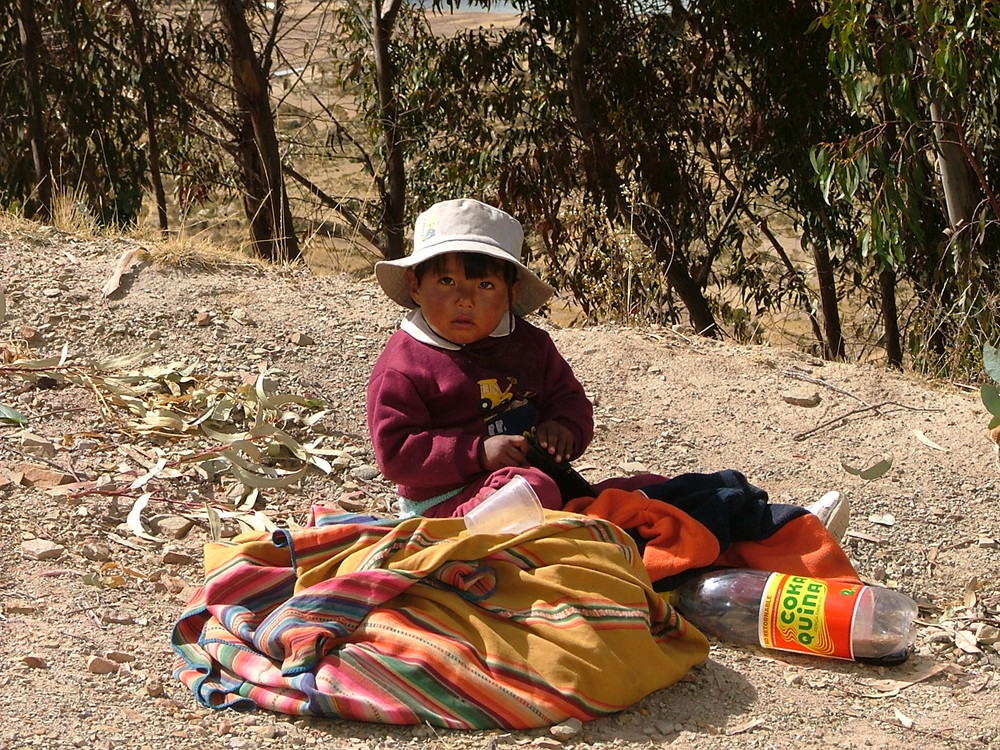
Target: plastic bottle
{"x": 792, "y": 613}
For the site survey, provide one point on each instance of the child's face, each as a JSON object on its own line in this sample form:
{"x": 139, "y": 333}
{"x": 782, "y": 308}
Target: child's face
{"x": 457, "y": 308}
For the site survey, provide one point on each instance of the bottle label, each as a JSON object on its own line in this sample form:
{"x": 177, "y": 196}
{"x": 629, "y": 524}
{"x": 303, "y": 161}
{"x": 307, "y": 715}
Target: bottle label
{"x": 808, "y": 615}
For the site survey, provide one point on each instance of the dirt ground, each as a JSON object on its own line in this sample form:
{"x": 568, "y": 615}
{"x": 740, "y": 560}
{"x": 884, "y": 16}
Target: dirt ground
{"x": 87, "y": 604}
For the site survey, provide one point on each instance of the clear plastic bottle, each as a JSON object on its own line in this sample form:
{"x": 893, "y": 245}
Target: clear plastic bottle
{"x": 794, "y": 613}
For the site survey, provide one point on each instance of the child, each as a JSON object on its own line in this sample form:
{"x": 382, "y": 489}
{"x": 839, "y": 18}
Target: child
{"x": 466, "y": 378}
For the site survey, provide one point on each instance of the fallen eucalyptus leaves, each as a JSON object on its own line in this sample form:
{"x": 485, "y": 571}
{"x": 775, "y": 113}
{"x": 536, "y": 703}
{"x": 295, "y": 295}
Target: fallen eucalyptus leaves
{"x": 249, "y": 431}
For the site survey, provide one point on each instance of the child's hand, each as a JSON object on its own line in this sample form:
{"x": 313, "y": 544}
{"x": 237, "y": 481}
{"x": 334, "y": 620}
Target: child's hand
{"x": 504, "y": 450}
{"x": 556, "y": 439}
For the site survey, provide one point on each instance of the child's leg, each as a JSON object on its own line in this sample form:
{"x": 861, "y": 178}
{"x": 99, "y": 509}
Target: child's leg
{"x": 546, "y": 489}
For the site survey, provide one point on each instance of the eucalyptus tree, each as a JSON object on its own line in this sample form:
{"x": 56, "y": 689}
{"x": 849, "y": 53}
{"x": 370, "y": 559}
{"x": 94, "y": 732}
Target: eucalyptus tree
{"x": 84, "y": 95}
{"x": 570, "y": 120}
{"x": 31, "y": 54}
{"x": 74, "y": 116}
{"x": 257, "y": 151}
{"x": 646, "y": 143}
{"x": 764, "y": 95}
{"x": 925, "y": 77}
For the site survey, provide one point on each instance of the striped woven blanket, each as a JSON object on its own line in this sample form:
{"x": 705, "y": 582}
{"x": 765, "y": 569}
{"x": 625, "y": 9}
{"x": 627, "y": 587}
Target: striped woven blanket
{"x": 418, "y": 622}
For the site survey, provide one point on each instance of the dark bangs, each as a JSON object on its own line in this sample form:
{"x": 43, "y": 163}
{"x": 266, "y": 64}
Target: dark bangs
{"x": 475, "y": 265}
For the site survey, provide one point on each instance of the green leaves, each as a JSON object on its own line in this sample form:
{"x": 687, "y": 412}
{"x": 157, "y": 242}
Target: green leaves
{"x": 991, "y": 361}
{"x": 9, "y": 415}
{"x": 988, "y": 391}
{"x": 872, "y": 472}
{"x": 251, "y": 432}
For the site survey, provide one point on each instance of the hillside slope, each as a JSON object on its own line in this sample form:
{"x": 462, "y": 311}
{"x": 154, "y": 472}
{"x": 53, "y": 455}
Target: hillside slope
{"x": 665, "y": 402}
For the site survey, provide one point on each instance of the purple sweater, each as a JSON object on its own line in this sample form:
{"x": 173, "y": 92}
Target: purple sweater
{"x": 430, "y": 408}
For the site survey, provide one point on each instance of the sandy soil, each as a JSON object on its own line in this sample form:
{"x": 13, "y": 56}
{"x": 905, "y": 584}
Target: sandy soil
{"x": 86, "y": 605}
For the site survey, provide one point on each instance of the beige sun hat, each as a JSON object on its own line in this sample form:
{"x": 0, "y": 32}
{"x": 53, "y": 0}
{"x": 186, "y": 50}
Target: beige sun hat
{"x": 464, "y": 225}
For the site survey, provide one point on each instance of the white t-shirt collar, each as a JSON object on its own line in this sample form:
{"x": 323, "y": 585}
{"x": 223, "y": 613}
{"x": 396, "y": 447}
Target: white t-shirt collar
{"x": 416, "y": 325}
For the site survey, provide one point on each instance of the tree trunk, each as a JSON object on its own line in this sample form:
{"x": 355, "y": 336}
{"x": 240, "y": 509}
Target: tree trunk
{"x": 834, "y": 348}
{"x": 265, "y": 198}
{"x": 957, "y": 179}
{"x": 155, "y": 173}
{"x": 31, "y": 45}
{"x": 394, "y": 197}
{"x": 890, "y": 318}
{"x": 702, "y": 319}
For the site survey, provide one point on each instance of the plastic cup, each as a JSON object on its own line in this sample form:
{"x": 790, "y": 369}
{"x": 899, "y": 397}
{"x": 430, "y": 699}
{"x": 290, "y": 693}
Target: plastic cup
{"x": 510, "y": 510}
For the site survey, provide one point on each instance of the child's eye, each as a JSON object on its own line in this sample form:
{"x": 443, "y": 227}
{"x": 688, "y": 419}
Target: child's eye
{"x": 487, "y": 284}
{"x": 446, "y": 281}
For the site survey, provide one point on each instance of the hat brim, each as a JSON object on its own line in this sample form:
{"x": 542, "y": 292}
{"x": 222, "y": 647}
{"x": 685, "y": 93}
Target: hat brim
{"x": 391, "y": 275}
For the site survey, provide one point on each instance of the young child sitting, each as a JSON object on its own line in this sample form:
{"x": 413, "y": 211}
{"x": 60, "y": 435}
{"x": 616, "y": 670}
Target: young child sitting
{"x": 466, "y": 379}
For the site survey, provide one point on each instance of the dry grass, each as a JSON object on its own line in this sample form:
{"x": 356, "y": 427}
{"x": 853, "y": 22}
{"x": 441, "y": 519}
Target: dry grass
{"x": 201, "y": 254}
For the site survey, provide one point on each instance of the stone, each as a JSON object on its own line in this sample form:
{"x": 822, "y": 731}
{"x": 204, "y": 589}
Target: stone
{"x": 19, "y": 607}
{"x": 242, "y": 317}
{"x": 365, "y": 472}
{"x": 34, "y": 661}
{"x": 100, "y": 665}
{"x": 33, "y": 475}
{"x": 568, "y": 729}
{"x": 42, "y": 549}
{"x": 31, "y": 335}
{"x": 96, "y": 552}
{"x": 301, "y": 339}
{"x": 175, "y": 527}
{"x": 175, "y": 557}
{"x": 203, "y": 319}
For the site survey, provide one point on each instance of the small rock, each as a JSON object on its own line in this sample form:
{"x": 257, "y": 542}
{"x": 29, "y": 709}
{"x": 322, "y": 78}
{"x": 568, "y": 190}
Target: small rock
{"x": 175, "y": 527}
{"x": 365, "y": 472}
{"x": 117, "y": 617}
{"x": 42, "y": 549}
{"x": 242, "y": 317}
{"x": 633, "y": 467}
{"x": 176, "y": 557}
{"x": 51, "y": 292}
{"x": 203, "y": 319}
{"x": 809, "y": 401}
{"x": 96, "y": 552}
{"x": 568, "y": 729}
{"x": 121, "y": 657}
{"x": 32, "y": 475}
{"x": 31, "y": 335}
{"x": 883, "y": 519}
{"x": 154, "y": 688}
{"x": 301, "y": 339}
{"x": 100, "y": 665}
{"x": 988, "y": 543}
{"x": 36, "y": 445}
{"x": 19, "y": 607}
{"x": 34, "y": 661}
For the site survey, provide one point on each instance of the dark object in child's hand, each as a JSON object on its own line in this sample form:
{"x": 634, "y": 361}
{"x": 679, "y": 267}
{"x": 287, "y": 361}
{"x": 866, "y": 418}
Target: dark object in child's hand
{"x": 571, "y": 484}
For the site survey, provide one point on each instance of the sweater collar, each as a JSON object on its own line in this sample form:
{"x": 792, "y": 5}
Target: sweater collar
{"x": 416, "y": 325}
